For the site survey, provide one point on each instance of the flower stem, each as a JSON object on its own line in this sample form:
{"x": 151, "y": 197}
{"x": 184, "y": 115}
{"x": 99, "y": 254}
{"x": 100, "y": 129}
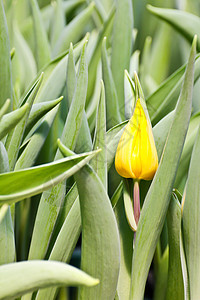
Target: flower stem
{"x": 136, "y": 199}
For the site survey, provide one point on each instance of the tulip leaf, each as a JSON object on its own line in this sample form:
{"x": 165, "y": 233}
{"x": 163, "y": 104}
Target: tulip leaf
{"x": 11, "y": 119}
{"x": 106, "y": 246}
{"x": 51, "y": 200}
{"x": 186, "y": 23}
{"x": 20, "y": 184}
{"x": 100, "y": 240}
{"x": 15, "y": 136}
{"x": 38, "y": 110}
{"x": 112, "y": 107}
{"x": 126, "y": 249}
{"x": 191, "y": 220}
{"x": 175, "y": 288}
{"x": 23, "y": 65}
{"x": 39, "y": 274}
{"x": 99, "y": 163}
{"x": 121, "y": 47}
{"x": 96, "y": 55}
{"x": 129, "y": 93}
{"x": 57, "y": 22}
{"x": 161, "y": 276}
{"x": 35, "y": 143}
{"x": 43, "y": 54}
{"x": 55, "y": 75}
{"x": 64, "y": 244}
{"x": 187, "y": 151}
{"x": 4, "y": 108}
{"x": 73, "y": 31}
{"x": 7, "y": 240}
{"x": 5, "y": 60}
{"x": 149, "y": 228}
{"x": 164, "y": 99}
{"x": 71, "y": 75}
{"x": 128, "y": 203}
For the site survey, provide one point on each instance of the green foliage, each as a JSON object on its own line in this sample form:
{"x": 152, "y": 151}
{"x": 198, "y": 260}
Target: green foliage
{"x": 70, "y": 74}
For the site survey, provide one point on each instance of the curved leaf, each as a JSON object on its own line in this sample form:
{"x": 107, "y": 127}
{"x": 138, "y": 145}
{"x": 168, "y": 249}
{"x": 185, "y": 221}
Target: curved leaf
{"x": 15, "y": 186}
{"x": 186, "y": 23}
{"x": 155, "y": 208}
{"x": 39, "y": 274}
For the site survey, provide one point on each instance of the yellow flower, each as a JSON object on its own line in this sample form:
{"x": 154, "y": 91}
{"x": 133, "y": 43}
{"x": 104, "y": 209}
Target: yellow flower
{"x": 136, "y": 155}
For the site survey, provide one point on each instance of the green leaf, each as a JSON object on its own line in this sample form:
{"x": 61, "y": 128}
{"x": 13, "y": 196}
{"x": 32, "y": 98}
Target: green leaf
{"x": 155, "y": 208}
{"x": 160, "y": 54}
{"x": 99, "y": 163}
{"x": 55, "y": 75}
{"x": 5, "y": 60}
{"x": 175, "y": 288}
{"x": 46, "y": 13}
{"x": 164, "y": 99}
{"x": 21, "y": 184}
{"x": 51, "y": 200}
{"x": 35, "y": 143}
{"x": 126, "y": 251}
{"x": 71, "y": 75}
{"x": 64, "y": 244}
{"x": 121, "y": 47}
{"x": 96, "y": 55}
{"x": 145, "y": 66}
{"x": 100, "y": 240}
{"x": 38, "y": 110}
{"x": 57, "y": 22}
{"x": 128, "y": 203}
{"x": 43, "y": 54}
{"x": 129, "y": 93}
{"x": 73, "y": 31}
{"x": 187, "y": 151}
{"x": 7, "y": 240}
{"x": 10, "y": 120}
{"x": 161, "y": 276}
{"x": 39, "y": 274}
{"x": 15, "y": 136}
{"x": 4, "y": 108}
{"x": 186, "y": 23}
{"x": 24, "y": 67}
{"x": 4, "y": 163}
{"x": 99, "y": 232}
{"x": 191, "y": 222}
{"x": 112, "y": 106}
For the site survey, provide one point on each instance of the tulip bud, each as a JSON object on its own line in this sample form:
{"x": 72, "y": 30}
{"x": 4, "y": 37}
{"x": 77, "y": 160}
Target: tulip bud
{"x": 136, "y": 155}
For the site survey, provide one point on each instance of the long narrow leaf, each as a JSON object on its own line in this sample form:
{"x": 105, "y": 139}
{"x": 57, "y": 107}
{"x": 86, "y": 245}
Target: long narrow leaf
{"x": 18, "y": 185}
{"x": 39, "y": 274}
{"x": 121, "y": 47}
{"x": 5, "y": 61}
{"x": 191, "y": 235}
{"x": 155, "y": 208}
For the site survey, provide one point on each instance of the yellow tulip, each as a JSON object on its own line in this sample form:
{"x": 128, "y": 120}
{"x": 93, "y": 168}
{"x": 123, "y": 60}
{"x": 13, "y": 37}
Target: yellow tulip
{"x": 136, "y": 155}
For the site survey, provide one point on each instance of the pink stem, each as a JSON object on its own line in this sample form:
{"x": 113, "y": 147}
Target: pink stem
{"x": 136, "y": 199}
